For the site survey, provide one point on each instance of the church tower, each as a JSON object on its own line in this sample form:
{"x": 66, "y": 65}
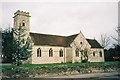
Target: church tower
{"x": 22, "y": 19}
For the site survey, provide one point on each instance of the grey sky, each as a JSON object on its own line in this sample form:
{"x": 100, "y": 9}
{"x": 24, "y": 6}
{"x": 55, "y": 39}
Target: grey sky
{"x": 66, "y": 18}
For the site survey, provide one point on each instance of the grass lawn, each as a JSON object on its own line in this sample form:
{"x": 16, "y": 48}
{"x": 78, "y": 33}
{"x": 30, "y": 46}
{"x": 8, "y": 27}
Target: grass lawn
{"x": 61, "y": 64}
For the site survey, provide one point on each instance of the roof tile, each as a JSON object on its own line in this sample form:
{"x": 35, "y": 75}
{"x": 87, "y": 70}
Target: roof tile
{"x": 55, "y": 40}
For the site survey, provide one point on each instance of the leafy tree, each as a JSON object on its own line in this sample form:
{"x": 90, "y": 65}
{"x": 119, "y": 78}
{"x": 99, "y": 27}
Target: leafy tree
{"x": 113, "y": 54}
{"x": 7, "y": 39}
{"x": 117, "y": 53}
{"x": 22, "y": 46}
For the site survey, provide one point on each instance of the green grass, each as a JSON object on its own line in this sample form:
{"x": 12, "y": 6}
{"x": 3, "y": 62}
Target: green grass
{"x": 61, "y": 64}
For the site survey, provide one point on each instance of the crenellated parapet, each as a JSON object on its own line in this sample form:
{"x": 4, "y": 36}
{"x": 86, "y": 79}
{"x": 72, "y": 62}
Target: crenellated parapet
{"x": 23, "y": 13}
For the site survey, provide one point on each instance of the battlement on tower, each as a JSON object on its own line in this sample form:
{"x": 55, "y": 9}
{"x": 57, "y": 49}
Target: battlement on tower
{"x": 21, "y": 13}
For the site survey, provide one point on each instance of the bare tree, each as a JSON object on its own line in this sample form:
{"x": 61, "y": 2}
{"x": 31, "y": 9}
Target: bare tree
{"x": 118, "y": 38}
{"x": 104, "y": 40}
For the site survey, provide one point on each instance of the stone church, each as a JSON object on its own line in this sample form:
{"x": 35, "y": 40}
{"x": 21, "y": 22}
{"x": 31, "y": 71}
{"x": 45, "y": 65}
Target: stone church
{"x": 59, "y": 49}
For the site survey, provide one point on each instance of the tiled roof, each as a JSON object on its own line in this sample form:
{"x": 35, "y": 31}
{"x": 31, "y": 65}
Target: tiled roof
{"x": 55, "y": 40}
{"x": 70, "y": 39}
{"x": 94, "y": 43}
{"x": 52, "y": 40}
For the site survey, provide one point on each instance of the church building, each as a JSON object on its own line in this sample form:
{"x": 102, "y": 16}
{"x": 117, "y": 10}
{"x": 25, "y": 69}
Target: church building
{"x": 59, "y": 49}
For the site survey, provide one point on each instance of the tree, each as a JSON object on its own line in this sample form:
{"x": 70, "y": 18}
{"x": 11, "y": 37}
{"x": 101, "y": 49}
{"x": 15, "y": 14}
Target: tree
{"x": 118, "y": 38}
{"x": 84, "y": 55}
{"x": 117, "y": 53}
{"x": 22, "y": 47}
{"x": 0, "y": 44}
{"x": 113, "y": 54}
{"x": 104, "y": 40}
{"x": 7, "y": 39}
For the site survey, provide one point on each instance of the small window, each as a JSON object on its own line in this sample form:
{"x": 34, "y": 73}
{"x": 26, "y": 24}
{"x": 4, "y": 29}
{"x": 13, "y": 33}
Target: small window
{"x": 80, "y": 42}
{"x": 61, "y": 53}
{"x": 23, "y": 24}
{"x": 100, "y": 53}
{"x": 94, "y": 53}
{"x": 77, "y": 52}
{"x": 50, "y": 52}
{"x": 38, "y": 52}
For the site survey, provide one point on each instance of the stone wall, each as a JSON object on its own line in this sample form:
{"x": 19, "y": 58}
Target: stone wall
{"x": 81, "y": 43}
{"x": 45, "y": 59}
{"x": 43, "y": 71}
{"x": 97, "y": 57}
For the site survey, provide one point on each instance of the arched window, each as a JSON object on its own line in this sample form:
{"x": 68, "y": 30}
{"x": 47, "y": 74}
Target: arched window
{"x": 77, "y": 52}
{"x": 100, "y": 53}
{"x": 61, "y": 53}
{"x": 23, "y": 23}
{"x": 50, "y": 52}
{"x": 38, "y": 52}
{"x": 94, "y": 53}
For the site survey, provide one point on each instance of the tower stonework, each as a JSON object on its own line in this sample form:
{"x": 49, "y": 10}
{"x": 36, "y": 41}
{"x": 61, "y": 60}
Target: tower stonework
{"x": 22, "y": 19}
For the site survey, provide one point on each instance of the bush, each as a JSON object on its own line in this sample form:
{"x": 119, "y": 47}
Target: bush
{"x": 26, "y": 71}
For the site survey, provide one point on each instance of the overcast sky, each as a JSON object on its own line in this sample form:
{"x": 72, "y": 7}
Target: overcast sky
{"x": 66, "y": 18}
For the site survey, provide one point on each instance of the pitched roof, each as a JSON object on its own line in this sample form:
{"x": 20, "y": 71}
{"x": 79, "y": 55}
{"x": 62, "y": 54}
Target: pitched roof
{"x": 94, "y": 43}
{"x": 55, "y": 40}
{"x": 52, "y": 40}
{"x": 70, "y": 39}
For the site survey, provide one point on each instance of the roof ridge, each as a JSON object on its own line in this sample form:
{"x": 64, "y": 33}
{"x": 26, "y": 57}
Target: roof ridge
{"x": 54, "y": 35}
{"x": 47, "y": 34}
{"x": 72, "y": 35}
{"x": 47, "y": 39}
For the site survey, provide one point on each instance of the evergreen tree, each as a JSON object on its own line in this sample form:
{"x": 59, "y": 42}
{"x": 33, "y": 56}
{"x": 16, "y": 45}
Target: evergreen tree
{"x": 7, "y": 38}
{"x": 22, "y": 46}
{"x": 113, "y": 54}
